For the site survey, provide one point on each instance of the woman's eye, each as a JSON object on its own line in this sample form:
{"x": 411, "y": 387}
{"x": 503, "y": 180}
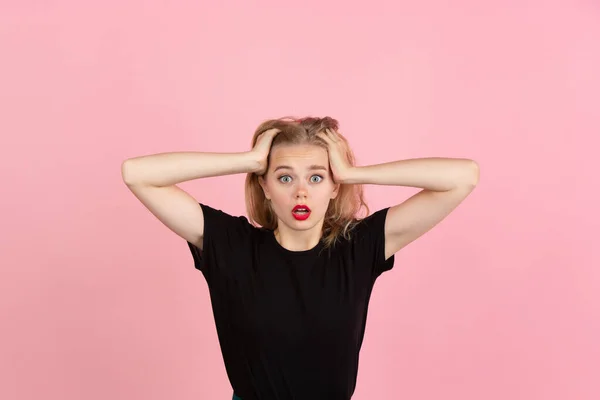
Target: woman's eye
{"x": 288, "y": 179}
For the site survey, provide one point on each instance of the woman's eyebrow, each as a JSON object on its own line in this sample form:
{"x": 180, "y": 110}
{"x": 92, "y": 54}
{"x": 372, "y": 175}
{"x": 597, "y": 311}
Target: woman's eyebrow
{"x": 312, "y": 167}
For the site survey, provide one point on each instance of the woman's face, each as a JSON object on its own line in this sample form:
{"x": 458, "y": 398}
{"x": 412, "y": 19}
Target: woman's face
{"x": 299, "y": 175}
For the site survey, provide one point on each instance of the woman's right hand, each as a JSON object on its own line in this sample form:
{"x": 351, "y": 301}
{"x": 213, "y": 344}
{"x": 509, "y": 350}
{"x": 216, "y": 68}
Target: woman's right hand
{"x": 263, "y": 147}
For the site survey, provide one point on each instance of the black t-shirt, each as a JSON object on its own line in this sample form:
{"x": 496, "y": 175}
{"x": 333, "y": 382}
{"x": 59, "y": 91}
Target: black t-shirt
{"x": 290, "y": 323}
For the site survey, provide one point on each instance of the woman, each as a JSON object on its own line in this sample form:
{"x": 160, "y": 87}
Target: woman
{"x": 290, "y": 286}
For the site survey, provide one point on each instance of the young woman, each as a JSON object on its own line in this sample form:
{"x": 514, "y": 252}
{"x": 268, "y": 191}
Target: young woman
{"x": 290, "y": 284}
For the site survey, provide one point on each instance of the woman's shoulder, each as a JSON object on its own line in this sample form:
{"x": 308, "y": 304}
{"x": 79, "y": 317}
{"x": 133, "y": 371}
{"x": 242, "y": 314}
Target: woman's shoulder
{"x": 221, "y": 218}
{"x": 372, "y": 222}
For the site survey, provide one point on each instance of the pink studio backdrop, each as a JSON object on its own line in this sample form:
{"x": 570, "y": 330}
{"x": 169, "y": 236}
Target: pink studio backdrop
{"x": 500, "y": 301}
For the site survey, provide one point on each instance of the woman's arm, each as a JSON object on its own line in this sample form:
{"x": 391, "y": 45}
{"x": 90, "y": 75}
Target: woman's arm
{"x": 437, "y": 174}
{"x": 153, "y": 178}
{"x": 166, "y": 169}
{"x": 446, "y": 182}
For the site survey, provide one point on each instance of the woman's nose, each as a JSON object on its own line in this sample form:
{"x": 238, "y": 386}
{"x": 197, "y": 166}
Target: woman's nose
{"x": 301, "y": 191}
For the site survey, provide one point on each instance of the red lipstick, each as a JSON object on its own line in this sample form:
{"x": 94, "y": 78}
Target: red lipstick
{"x": 301, "y": 212}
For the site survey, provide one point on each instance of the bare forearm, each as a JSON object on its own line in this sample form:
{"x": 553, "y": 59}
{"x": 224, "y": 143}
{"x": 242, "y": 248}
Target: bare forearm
{"x": 166, "y": 169}
{"x": 438, "y": 174}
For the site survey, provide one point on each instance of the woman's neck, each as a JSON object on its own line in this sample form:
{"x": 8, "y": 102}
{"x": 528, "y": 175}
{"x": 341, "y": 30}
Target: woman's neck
{"x": 294, "y": 240}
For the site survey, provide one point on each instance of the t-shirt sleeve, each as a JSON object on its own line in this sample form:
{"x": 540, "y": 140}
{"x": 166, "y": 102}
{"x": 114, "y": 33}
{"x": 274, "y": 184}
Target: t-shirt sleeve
{"x": 223, "y": 234}
{"x": 370, "y": 243}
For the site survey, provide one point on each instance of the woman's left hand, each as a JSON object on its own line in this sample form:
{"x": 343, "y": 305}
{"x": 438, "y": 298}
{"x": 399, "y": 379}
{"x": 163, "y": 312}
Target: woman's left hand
{"x": 340, "y": 167}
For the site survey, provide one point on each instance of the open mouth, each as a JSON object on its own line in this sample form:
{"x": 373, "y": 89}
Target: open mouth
{"x": 301, "y": 212}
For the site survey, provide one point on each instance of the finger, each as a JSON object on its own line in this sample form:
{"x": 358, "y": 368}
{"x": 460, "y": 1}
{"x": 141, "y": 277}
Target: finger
{"x": 325, "y": 137}
{"x": 332, "y": 135}
{"x": 321, "y": 134}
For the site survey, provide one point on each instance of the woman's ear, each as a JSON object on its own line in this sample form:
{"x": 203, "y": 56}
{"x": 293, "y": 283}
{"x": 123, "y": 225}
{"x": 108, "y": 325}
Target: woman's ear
{"x": 263, "y": 185}
{"x": 336, "y": 191}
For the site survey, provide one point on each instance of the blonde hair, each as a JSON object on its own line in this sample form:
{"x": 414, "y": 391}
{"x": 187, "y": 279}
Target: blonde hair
{"x": 342, "y": 213}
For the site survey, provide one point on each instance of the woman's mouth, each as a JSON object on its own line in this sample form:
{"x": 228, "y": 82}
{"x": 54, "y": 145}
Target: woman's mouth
{"x": 301, "y": 212}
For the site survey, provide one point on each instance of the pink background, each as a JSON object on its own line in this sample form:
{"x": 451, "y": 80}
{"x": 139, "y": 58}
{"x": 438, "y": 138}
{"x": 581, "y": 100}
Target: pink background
{"x": 98, "y": 300}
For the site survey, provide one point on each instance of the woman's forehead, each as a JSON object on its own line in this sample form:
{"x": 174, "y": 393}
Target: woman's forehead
{"x": 299, "y": 154}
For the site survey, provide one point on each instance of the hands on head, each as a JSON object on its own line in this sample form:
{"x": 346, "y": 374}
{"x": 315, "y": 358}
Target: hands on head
{"x": 262, "y": 148}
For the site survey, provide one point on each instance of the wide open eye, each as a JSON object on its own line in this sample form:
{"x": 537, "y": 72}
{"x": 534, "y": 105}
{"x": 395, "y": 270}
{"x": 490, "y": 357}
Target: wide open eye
{"x": 320, "y": 178}
{"x": 285, "y": 176}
